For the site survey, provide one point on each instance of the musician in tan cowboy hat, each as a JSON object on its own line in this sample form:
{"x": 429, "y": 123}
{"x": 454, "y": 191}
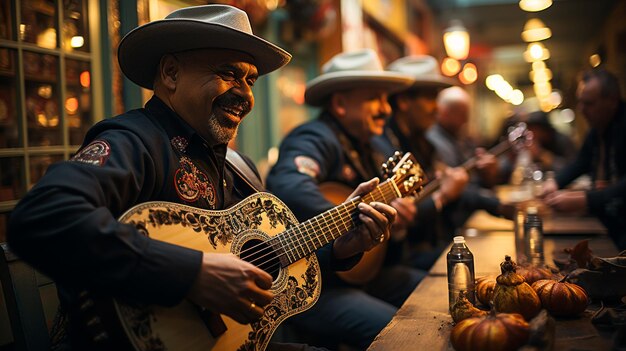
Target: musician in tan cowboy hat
{"x": 201, "y": 62}
{"x": 352, "y": 92}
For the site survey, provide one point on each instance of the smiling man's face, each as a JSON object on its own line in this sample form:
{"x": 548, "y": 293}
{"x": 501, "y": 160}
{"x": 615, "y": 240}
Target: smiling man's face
{"x": 212, "y": 90}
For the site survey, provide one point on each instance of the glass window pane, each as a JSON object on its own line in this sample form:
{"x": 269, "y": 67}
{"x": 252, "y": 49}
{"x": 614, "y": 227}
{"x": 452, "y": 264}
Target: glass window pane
{"x": 42, "y": 99}
{"x": 75, "y": 29}
{"x": 78, "y": 99}
{"x": 11, "y": 178}
{"x": 6, "y": 20}
{"x": 9, "y": 126}
{"x": 39, "y": 165}
{"x": 38, "y": 24}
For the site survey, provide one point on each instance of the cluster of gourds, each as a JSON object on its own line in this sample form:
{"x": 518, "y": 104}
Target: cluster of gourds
{"x": 517, "y": 295}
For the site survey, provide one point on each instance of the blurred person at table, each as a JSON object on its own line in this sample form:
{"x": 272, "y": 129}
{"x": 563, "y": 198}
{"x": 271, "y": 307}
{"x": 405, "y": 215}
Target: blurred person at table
{"x": 551, "y": 150}
{"x": 449, "y": 137}
{"x": 335, "y": 149}
{"x": 602, "y": 157}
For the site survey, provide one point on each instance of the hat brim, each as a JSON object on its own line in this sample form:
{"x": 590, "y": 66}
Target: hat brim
{"x": 140, "y": 51}
{"x": 319, "y": 89}
{"x": 434, "y": 82}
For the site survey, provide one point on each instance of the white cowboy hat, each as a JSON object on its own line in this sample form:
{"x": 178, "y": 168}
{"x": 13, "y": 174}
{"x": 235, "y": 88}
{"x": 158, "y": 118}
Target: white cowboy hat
{"x": 196, "y": 27}
{"x": 356, "y": 69}
{"x": 424, "y": 69}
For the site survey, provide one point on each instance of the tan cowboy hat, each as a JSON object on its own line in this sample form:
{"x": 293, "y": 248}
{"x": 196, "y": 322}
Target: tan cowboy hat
{"x": 355, "y": 69}
{"x": 424, "y": 69}
{"x": 196, "y": 27}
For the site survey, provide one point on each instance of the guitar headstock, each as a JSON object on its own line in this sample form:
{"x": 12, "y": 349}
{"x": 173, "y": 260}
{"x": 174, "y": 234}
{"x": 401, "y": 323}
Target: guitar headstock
{"x": 406, "y": 172}
{"x": 519, "y": 136}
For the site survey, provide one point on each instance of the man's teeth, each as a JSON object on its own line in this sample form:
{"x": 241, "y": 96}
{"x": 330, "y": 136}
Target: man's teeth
{"x": 236, "y": 112}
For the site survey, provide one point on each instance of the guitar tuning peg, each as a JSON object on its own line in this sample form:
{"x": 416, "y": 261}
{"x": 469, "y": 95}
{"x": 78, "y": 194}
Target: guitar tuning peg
{"x": 386, "y": 171}
{"x": 397, "y": 155}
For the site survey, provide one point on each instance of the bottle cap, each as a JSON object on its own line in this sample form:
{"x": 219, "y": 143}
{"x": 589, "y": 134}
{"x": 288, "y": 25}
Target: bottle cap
{"x": 531, "y": 210}
{"x": 459, "y": 239}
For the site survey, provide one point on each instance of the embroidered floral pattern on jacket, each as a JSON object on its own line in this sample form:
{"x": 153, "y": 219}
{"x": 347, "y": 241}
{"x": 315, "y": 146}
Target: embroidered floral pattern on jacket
{"x": 193, "y": 184}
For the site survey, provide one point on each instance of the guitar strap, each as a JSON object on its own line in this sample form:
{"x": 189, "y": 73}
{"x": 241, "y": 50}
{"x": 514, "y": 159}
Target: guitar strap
{"x": 237, "y": 164}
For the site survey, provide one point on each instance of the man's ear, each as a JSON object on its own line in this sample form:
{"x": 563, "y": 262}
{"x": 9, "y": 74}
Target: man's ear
{"x": 338, "y": 104}
{"x": 168, "y": 71}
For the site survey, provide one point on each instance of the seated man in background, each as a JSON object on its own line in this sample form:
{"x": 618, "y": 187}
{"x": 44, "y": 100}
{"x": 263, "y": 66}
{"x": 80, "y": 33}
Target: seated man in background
{"x": 335, "y": 149}
{"x": 201, "y": 63}
{"x": 602, "y": 156}
{"x": 449, "y": 137}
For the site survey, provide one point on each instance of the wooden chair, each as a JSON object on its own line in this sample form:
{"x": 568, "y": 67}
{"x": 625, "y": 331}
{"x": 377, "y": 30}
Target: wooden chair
{"x": 31, "y": 302}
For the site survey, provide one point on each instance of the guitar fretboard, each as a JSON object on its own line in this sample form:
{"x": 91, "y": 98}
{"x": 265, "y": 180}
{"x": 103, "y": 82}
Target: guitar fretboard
{"x": 300, "y": 241}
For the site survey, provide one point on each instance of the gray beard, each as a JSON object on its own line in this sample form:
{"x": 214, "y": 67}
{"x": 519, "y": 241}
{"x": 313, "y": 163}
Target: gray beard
{"x": 222, "y": 131}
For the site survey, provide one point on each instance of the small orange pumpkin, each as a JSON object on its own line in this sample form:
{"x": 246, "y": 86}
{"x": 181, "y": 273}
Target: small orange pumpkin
{"x": 494, "y": 332}
{"x": 533, "y": 273}
{"x": 512, "y": 294}
{"x": 484, "y": 289}
{"x": 561, "y": 298}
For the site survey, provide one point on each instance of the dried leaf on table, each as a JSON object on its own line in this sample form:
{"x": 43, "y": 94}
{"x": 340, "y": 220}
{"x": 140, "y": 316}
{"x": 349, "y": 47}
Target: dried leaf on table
{"x": 581, "y": 253}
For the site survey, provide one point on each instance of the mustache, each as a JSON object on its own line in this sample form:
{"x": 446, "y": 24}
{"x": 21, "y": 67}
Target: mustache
{"x": 382, "y": 116}
{"x": 232, "y": 100}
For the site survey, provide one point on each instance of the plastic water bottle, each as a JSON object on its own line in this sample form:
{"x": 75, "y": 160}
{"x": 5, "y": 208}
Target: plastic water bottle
{"x": 460, "y": 271}
{"x": 533, "y": 236}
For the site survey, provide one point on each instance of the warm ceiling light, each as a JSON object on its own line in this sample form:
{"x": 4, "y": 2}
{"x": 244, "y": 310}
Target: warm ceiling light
{"x": 469, "y": 74}
{"x": 516, "y": 97}
{"x": 534, "y": 5}
{"x": 595, "y": 60}
{"x": 536, "y": 52}
{"x": 535, "y": 30}
{"x": 450, "y": 66}
{"x": 456, "y": 40}
{"x": 539, "y": 65}
{"x": 542, "y": 75}
{"x": 493, "y": 81}
{"x": 542, "y": 89}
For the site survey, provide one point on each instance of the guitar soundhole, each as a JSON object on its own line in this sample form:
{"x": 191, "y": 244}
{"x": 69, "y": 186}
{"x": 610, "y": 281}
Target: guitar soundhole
{"x": 260, "y": 254}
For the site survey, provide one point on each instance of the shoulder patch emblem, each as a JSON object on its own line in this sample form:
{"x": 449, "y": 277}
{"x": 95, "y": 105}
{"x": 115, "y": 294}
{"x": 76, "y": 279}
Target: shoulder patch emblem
{"x": 96, "y": 153}
{"x": 192, "y": 184}
{"x": 307, "y": 165}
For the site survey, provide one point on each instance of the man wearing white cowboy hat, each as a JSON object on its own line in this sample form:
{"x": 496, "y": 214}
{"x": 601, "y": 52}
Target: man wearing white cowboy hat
{"x": 201, "y": 63}
{"x": 352, "y": 92}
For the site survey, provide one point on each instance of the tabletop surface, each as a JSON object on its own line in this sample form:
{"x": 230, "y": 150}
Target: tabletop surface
{"x": 423, "y": 322}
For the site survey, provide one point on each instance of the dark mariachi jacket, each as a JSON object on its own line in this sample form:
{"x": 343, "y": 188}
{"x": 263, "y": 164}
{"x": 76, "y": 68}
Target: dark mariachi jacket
{"x": 67, "y": 227}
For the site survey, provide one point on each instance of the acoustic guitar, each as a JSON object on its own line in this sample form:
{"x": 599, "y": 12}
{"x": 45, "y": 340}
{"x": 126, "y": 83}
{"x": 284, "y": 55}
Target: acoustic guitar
{"x": 261, "y": 230}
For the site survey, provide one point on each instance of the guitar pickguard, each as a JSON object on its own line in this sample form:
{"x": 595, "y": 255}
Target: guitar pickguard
{"x": 259, "y": 217}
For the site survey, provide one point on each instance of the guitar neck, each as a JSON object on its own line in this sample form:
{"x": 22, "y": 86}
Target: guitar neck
{"x": 468, "y": 165}
{"x": 300, "y": 241}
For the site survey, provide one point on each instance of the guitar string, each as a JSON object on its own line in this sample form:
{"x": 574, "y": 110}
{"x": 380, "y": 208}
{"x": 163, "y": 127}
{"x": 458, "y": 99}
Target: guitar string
{"x": 294, "y": 248}
{"x": 325, "y": 227}
{"x": 317, "y": 218}
{"x": 304, "y": 224}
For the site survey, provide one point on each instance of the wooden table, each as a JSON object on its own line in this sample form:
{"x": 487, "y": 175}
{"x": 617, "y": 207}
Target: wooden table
{"x": 423, "y": 322}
